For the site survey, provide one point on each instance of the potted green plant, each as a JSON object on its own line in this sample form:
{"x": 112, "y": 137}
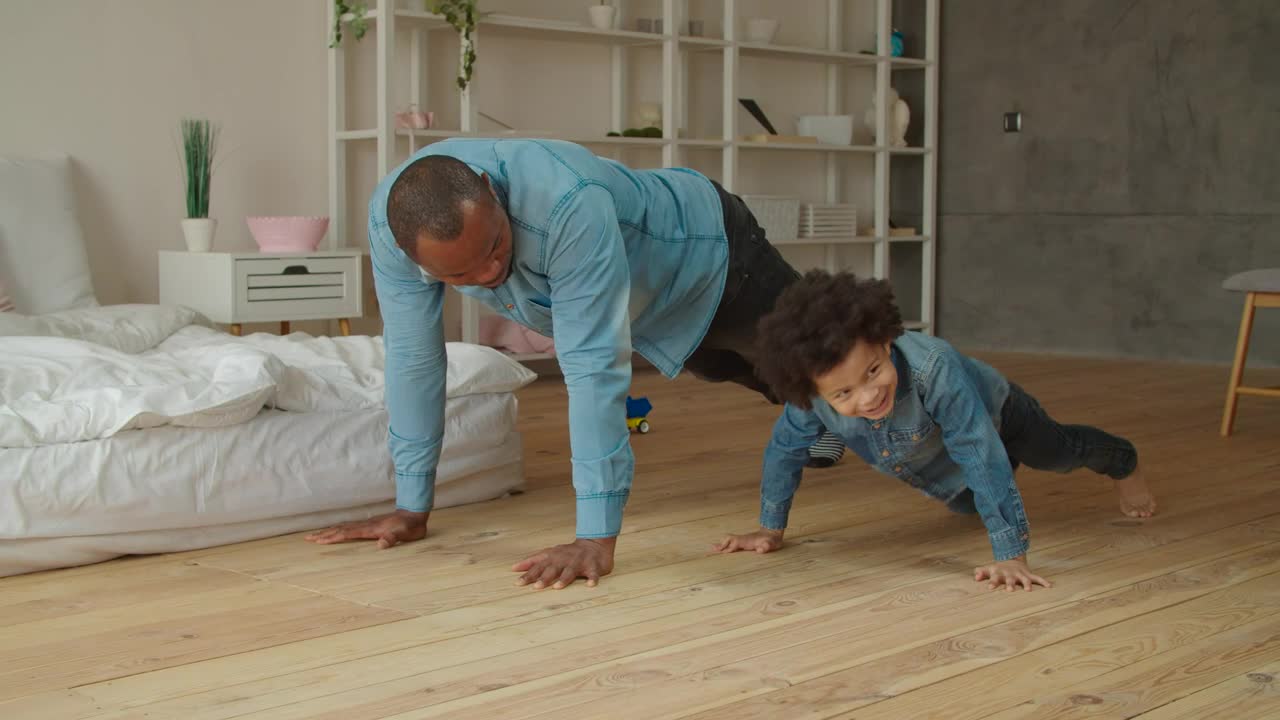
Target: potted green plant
{"x": 199, "y": 142}
{"x": 462, "y": 16}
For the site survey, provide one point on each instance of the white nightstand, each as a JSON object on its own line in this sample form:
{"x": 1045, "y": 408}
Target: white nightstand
{"x": 236, "y": 288}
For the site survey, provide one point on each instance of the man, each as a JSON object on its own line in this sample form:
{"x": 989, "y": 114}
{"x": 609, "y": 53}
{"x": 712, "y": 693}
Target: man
{"x": 603, "y": 258}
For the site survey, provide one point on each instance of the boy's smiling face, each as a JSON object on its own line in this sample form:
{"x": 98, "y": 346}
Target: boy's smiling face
{"x": 863, "y": 384}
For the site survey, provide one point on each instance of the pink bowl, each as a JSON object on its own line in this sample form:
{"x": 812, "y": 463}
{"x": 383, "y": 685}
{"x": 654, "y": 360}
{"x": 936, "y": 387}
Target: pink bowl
{"x": 416, "y": 120}
{"x": 288, "y": 233}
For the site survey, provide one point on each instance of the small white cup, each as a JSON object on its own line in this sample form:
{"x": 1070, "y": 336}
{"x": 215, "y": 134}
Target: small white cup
{"x": 601, "y": 16}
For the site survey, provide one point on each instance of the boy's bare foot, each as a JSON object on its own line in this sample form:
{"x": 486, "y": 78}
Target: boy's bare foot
{"x": 1136, "y": 499}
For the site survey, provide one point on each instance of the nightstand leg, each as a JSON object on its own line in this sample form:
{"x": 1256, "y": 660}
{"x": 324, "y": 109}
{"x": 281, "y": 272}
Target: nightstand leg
{"x": 344, "y": 325}
{"x": 284, "y": 327}
{"x": 235, "y": 328}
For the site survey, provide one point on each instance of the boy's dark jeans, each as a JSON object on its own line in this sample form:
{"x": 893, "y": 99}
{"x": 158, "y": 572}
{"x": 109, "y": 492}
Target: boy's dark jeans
{"x": 757, "y": 276}
{"x": 1033, "y": 438}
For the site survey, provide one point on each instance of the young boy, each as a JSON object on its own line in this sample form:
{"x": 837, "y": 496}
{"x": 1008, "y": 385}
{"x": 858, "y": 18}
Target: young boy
{"x": 908, "y": 404}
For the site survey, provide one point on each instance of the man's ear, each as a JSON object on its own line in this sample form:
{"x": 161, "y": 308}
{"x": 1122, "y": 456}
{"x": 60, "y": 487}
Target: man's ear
{"x": 489, "y": 183}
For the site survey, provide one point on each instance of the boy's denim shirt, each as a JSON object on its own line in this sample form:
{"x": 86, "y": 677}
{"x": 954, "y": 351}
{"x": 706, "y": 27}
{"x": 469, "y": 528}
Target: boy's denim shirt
{"x": 605, "y": 259}
{"x": 942, "y": 437}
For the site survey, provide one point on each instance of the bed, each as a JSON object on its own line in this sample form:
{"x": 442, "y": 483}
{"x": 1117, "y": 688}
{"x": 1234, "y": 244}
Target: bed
{"x": 129, "y": 429}
{"x": 140, "y": 429}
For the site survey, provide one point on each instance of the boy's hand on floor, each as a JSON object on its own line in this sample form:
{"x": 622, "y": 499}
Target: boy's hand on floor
{"x": 390, "y": 529}
{"x": 1010, "y": 574}
{"x": 761, "y": 541}
{"x": 559, "y": 566}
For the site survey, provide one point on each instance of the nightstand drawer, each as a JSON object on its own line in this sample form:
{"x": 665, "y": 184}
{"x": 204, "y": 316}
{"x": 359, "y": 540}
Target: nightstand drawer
{"x": 308, "y": 280}
{"x": 328, "y": 292}
{"x": 302, "y": 265}
{"x": 279, "y": 288}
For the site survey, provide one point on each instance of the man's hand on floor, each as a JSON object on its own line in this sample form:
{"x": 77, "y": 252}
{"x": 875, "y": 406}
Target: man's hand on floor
{"x": 559, "y": 566}
{"x": 390, "y": 529}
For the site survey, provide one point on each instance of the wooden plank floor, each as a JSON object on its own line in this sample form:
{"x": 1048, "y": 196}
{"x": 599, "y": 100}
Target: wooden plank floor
{"x": 869, "y": 612}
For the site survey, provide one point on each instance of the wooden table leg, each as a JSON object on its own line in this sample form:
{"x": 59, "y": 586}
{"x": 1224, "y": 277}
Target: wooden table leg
{"x": 1237, "y": 367}
{"x": 284, "y": 327}
{"x": 344, "y": 325}
{"x": 235, "y": 329}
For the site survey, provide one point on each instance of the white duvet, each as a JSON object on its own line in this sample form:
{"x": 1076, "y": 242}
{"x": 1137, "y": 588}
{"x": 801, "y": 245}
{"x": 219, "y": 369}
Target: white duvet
{"x": 90, "y": 374}
{"x": 138, "y": 429}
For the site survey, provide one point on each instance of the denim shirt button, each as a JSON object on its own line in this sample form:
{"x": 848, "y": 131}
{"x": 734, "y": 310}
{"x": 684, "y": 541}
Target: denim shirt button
{"x": 898, "y": 469}
{"x": 884, "y": 453}
{"x": 915, "y": 437}
{"x": 510, "y": 306}
{"x": 876, "y": 426}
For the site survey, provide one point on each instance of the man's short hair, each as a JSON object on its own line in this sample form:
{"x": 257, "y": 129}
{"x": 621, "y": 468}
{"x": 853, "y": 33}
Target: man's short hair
{"x": 429, "y": 196}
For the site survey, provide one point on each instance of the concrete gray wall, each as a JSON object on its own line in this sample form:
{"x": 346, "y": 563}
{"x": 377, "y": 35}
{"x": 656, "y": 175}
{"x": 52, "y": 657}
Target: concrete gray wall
{"x": 1147, "y": 170}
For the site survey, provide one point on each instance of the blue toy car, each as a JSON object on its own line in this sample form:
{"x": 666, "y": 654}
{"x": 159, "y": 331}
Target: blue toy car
{"x": 638, "y": 410}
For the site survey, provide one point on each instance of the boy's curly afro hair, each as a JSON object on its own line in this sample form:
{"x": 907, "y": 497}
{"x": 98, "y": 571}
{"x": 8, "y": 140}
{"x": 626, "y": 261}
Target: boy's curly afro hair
{"x": 814, "y": 326}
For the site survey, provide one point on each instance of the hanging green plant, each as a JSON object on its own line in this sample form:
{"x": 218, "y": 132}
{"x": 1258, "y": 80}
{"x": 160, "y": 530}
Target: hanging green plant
{"x": 462, "y": 16}
{"x": 359, "y": 23}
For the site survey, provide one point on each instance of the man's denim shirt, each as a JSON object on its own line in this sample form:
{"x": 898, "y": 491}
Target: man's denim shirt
{"x": 605, "y": 260}
{"x": 942, "y": 437}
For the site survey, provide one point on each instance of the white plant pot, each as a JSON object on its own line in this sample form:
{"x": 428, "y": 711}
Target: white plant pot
{"x": 198, "y": 232}
{"x": 601, "y": 16}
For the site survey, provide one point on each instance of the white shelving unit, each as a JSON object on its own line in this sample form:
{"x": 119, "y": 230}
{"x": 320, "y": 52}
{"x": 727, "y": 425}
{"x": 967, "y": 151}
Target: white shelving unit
{"x": 676, "y": 51}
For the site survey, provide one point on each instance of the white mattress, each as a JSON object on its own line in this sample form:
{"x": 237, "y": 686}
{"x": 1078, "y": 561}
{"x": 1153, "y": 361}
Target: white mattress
{"x": 154, "y": 480}
{"x": 169, "y": 489}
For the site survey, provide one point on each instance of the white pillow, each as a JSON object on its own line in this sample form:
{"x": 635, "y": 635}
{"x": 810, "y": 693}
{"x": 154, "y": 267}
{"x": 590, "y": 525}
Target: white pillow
{"x": 476, "y": 370}
{"x": 43, "y": 263}
{"x": 125, "y": 328}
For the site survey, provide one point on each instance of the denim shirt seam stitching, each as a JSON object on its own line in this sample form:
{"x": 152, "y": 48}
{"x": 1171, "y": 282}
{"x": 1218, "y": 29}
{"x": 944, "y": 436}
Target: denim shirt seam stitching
{"x": 556, "y": 155}
{"x": 527, "y": 226}
{"x": 604, "y": 495}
